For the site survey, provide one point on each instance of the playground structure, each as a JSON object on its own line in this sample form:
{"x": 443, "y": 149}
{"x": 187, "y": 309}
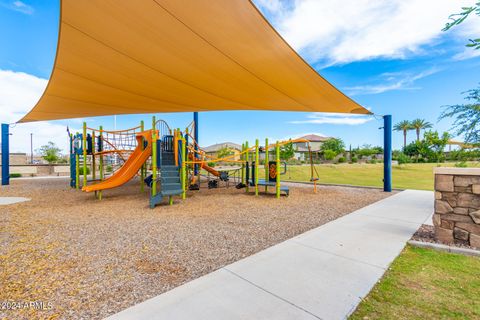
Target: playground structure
{"x": 240, "y": 68}
{"x": 172, "y": 159}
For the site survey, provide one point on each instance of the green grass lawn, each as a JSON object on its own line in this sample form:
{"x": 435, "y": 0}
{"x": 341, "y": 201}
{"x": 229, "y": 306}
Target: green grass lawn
{"x": 425, "y": 284}
{"x": 407, "y": 176}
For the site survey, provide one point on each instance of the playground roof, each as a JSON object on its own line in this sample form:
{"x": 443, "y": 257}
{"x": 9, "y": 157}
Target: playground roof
{"x": 460, "y": 144}
{"x": 150, "y": 56}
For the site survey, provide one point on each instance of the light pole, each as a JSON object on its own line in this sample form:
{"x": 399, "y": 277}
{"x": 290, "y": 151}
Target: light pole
{"x": 31, "y": 148}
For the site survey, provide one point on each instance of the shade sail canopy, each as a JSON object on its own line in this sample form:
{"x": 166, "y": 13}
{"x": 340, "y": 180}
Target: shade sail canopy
{"x": 145, "y": 56}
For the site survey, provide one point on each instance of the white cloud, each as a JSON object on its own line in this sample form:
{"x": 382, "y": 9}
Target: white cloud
{"x": 334, "y": 118}
{"x": 467, "y": 53}
{"x": 18, "y": 6}
{"x": 271, "y": 5}
{"x": 391, "y": 81}
{"x": 354, "y": 30}
{"x": 19, "y": 92}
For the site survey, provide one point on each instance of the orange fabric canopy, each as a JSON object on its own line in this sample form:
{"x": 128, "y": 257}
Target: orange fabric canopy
{"x": 146, "y": 56}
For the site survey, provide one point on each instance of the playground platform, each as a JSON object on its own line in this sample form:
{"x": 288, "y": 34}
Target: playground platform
{"x": 321, "y": 274}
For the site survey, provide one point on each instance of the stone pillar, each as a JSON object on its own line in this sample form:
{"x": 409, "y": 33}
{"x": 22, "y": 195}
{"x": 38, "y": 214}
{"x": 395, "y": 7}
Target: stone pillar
{"x": 457, "y": 205}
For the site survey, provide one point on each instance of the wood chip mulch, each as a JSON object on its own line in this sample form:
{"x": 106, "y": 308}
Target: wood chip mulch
{"x": 80, "y": 258}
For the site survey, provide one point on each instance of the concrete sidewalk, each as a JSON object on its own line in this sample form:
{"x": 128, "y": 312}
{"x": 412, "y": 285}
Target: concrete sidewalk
{"x": 12, "y": 200}
{"x": 321, "y": 274}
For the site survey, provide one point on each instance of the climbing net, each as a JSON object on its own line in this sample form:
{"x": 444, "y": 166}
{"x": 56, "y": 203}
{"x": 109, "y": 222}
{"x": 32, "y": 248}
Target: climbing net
{"x": 114, "y": 145}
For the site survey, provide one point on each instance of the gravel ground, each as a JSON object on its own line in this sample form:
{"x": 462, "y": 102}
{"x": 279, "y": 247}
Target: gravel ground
{"x": 87, "y": 259}
{"x": 426, "y": 233}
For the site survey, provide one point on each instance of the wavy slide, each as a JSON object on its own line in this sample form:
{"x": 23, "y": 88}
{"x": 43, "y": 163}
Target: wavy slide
{"x": 204, "y": 166}
{"x": 131, "y": 166}
{"x": 222, "y": 175}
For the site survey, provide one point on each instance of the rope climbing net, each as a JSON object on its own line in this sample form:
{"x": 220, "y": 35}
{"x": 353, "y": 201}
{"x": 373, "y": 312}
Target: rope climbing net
{"x": 114, "y": 145}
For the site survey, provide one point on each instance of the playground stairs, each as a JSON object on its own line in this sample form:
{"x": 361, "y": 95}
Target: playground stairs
{"x": 170, "y": 184}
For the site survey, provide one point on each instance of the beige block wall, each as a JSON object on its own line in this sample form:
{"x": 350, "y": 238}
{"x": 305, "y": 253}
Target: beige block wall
{"x": 17, "y": 159}
{"x": 40, "y": 170}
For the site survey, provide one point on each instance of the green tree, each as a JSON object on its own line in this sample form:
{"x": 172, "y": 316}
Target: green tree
{"x": 458, "y": 18}
{"x": 335, "y": 144}
{"x": 403, "y": 126}
{"x": 435, "y": 145}
{"x": 430, "y": 148}
{"x": 225, "y": 152}
{"x": 287, "y": 151}
{"x": 50, "y": 152}
{"x": 467, "y": 117}
{"x": 419, "y": 124}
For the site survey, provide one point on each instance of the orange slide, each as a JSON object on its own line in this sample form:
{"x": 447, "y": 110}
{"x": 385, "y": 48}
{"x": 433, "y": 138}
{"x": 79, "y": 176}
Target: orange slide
{"x": 205, "y": 167}
{"x": 130, "y": 167}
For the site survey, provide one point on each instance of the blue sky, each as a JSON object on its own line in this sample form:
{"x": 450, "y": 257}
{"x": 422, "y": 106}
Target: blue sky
{"x": 389, "y": 56}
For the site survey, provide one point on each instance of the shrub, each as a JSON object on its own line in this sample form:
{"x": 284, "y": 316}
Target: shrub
{"x": 354, "y": 159}
{"x": 342, "y": 160}
{"x": 329, "y": 154}
{"x": 211, "y": 164}
{"x": 402, "y": 158}
{"x": 461, "y": 164}
{"x": 368, "y": 151}
{"x": 373, "y": 161}
{"x": 395, "y": 154}
{"x": 80, "y": 172}
{"x": 463, "y": 155}
{"x": 109, "y": 168}
{"x": 15, "y": 175}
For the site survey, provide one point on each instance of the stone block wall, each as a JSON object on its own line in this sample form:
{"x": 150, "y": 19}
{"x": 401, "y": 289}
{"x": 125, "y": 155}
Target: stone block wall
{"x": 457, "y": 205}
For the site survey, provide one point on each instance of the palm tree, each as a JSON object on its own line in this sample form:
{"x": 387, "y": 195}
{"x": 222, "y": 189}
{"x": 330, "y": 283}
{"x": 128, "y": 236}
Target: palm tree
{"x": 419, "y": 124}
{"x": 404, "y": 126}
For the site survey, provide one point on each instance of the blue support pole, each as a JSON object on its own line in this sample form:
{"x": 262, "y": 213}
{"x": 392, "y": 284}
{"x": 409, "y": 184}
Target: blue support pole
{"x": 5, "y": 155}
{"x": 73, "y": 164}
{"x": 195, "y": 135}
{"x": 387, "y": 153}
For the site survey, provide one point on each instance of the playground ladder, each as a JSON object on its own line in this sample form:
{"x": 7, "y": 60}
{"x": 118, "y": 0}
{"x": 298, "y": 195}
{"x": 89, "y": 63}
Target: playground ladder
{"x": 170, "y": 183}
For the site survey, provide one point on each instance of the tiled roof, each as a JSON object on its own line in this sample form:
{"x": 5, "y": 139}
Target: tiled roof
{"x": 216, "y": 147}
{"x": 315, "y": 138}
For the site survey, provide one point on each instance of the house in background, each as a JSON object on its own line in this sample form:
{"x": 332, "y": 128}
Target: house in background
{"x": 301, "y": 148}
{"x": 215, "y": 148}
